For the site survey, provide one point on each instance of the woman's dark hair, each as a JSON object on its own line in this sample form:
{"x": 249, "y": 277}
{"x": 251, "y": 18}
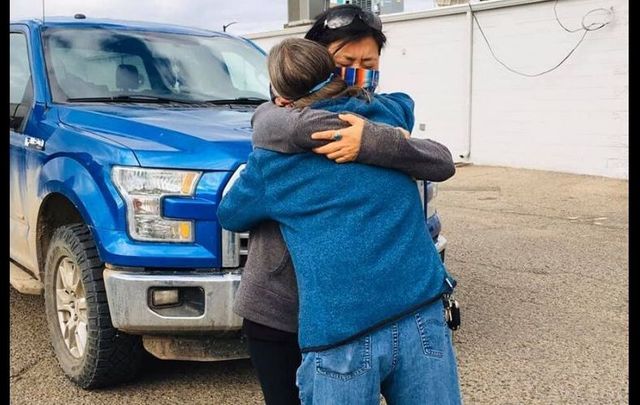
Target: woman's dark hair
{"x": 357, "y": 30}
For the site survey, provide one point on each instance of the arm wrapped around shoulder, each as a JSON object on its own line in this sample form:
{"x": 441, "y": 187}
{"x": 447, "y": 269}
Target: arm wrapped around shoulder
{"x": 288, "y": 130}
{"x": 424, "y": 159}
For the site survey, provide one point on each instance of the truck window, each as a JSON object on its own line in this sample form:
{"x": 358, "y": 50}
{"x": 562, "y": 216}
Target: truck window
{"x": 244, "y": 75}
{"x": 20, "y": 86}
{"x": 85, "y": 72}
{"x": 101, "y": 63}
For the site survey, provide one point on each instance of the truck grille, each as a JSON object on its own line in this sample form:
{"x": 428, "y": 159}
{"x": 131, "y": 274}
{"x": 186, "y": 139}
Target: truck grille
{"x": 421, "y": 184}
{"x": 235, "y": 246}
{"x": 235, "y": 249}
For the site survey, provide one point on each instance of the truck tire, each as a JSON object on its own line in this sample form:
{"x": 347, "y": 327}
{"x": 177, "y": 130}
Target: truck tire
{"x": 90, "y": 351}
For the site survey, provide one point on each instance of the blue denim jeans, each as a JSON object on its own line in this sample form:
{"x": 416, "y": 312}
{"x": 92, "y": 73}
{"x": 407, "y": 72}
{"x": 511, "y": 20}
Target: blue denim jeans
{"x": 409, "y": 362}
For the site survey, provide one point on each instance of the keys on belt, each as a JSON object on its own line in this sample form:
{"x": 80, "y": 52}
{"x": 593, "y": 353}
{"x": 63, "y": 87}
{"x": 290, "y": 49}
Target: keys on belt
{"x": 451, "y": 311}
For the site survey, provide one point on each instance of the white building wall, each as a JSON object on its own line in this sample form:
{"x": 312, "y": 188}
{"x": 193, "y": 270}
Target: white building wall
{"x": 574, "y": 119}
{"x": 429, "y": 59}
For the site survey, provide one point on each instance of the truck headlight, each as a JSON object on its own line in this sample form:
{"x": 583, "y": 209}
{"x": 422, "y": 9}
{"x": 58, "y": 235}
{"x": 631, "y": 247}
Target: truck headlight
{"x": 143, "y": 190}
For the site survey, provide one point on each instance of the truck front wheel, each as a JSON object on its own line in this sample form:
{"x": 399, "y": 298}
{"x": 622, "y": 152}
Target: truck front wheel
{"x": 91, "y": 352}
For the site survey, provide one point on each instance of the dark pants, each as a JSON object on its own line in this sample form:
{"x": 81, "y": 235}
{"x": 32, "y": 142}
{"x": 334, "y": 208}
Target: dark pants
{"x": 276, "y": 357}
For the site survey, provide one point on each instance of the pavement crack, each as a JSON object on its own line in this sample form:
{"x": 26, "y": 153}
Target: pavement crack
{"x": 505, "y": 268}
{"x": 18, "y": 375}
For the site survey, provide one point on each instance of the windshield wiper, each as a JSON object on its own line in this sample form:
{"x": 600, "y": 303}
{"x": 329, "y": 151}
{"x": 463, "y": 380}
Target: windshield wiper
{"x": 134, "y": 98}
{"x": 239, "y": 100}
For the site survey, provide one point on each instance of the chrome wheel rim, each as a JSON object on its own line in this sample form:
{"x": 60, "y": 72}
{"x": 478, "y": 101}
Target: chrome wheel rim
{"x": 71, "y": 306}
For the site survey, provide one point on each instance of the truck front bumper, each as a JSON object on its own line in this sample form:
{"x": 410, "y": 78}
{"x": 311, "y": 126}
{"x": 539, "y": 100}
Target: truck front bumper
{"x": 204, "y": 305}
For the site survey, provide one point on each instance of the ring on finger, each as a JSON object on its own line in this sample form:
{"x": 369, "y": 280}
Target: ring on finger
{"x": 337, "y": 136}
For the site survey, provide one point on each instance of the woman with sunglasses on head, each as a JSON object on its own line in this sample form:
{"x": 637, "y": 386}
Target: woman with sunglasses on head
{"x": 268, "y": 296}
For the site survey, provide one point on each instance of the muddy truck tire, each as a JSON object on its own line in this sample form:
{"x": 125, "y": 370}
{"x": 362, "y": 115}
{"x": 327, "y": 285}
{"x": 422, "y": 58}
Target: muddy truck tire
{"x": 91, "y": 352}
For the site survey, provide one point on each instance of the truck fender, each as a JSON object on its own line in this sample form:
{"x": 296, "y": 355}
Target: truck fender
{"x": 96, "y": 199}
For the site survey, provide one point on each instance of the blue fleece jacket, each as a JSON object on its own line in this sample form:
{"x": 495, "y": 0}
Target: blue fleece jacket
{"x": 360, "y": 247}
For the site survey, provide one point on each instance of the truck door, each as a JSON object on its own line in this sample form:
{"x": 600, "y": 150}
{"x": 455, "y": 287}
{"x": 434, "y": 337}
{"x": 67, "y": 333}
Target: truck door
{"x": 21, "y": 101}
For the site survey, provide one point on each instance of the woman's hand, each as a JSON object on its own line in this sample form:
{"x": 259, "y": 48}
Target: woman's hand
{"x": 346, "y": 148}
{"x": 405, "y": 133}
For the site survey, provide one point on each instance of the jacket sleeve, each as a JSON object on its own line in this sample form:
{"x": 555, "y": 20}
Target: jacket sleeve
{"x": 403, "y": 105}
{"x": 244, "y": 206}
{"x": 423, "y": 159}
{"x": 288, "y": 130}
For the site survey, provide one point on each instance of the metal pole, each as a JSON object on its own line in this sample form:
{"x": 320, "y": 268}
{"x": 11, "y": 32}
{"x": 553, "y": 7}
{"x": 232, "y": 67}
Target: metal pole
{"x": 224, "y": 27}
{"x": 469, "y": 84}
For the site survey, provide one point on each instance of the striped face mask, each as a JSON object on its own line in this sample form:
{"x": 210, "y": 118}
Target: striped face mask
{"x": 363, "y": 78}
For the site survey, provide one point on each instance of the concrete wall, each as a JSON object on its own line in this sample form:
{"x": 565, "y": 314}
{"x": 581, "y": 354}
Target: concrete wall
{"x": 574, "y": 119}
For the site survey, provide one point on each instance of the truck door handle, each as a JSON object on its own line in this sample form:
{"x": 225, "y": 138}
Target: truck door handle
{"x": 34, "y": 143}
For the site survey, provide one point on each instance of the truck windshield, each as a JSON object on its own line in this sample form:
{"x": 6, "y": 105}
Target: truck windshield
{"x": 90, "y": 64}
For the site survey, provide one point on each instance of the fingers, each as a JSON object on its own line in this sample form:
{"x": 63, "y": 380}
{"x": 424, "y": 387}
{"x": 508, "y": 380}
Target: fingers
{"x": 351, "y": 119}
{"x": 328, "y": 148}
{"x": 324, "y": 135}
{"x": 355, "y": 130}
{"x": 405, "y": 133}
{"x": 328, "y": 134}
{"x": 337, "y": 151}
{"x": 341, "y": 157}
{"x": 281, "y": 101}
{"x": 345, "y": 149}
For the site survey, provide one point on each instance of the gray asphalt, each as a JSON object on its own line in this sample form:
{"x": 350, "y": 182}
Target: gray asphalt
{"x": 541, "y": 260}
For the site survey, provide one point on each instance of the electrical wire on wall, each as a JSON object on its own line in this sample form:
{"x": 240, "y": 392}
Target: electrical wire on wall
{"x": 586, "y": 28}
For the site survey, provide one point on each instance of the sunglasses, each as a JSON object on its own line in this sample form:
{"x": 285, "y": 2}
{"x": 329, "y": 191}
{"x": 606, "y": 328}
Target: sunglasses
{"x": 340, "y": 17}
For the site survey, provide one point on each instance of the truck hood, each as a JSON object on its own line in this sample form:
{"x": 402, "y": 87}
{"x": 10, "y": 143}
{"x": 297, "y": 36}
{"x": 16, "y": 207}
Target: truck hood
{"x": 201, "y": 138}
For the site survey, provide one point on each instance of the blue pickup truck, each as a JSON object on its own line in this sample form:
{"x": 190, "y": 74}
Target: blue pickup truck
{"x": 123, "y": 138}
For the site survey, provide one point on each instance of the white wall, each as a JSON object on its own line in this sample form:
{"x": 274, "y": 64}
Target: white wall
{"x": 429, "y": 59}
{"x": 574, "y": 119}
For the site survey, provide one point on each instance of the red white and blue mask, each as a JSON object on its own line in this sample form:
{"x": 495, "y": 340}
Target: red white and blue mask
{"x": 364, "y": 78}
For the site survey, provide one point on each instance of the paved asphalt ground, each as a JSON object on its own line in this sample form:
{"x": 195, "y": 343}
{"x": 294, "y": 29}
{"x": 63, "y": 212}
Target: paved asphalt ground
{"x": 542, "y": 264}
